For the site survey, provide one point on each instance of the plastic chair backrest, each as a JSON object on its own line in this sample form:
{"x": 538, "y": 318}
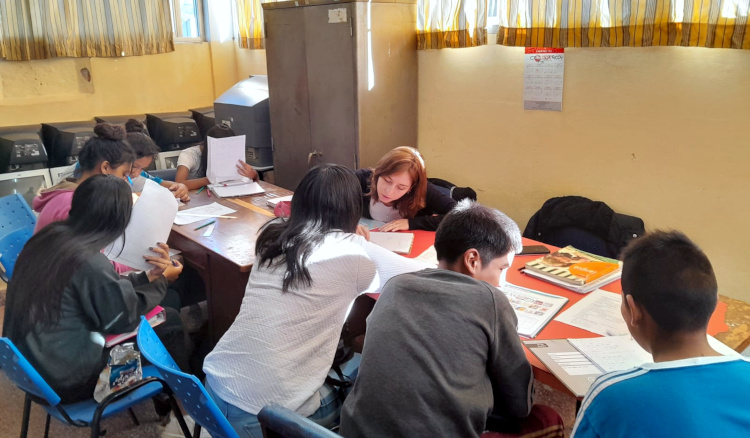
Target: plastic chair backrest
{"x": 15, "y": 214}
{"x": 23, "y": 375}
{"x": 278, "y": 421}
{"x": 10, "y": 247}
{"x": 187, "y": 388}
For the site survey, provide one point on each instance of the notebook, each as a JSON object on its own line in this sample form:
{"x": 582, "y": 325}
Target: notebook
{"x": 155, "y": 317}
{"x": 534, "y": 309}
{"x": 400, "y": 243}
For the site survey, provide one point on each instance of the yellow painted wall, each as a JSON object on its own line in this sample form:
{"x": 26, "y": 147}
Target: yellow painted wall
{"x": 660, "y": 133}
{"x": 54, "y": 91}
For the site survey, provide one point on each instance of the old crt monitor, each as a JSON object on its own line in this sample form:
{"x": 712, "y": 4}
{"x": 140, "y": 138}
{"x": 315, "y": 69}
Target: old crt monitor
{"x": 173, "y": 131}
{"x": 120, "y": 120}
{"x": 244, "y": 108}
{"x": 205, "y": 119}
{"x": 64, "y": 141}
{"x": 21, "y": 149}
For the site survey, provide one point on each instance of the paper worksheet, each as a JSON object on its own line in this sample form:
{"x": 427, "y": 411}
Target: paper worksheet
{"x": 533, "y": 308}
{"x": 223, "y": 155}
{"x": 399, "y": 243}
{"x": 598, "y": 312}
{"x": 201, "y": 213}
{"x": 429, "y": 256}
{"x": 613, "y": 353}
{"x": 150, "y": 222}
{"x": 543, "y": 78}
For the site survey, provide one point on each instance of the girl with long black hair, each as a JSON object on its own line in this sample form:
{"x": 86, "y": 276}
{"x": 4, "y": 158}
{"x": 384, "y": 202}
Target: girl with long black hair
{"x": 65, "y": 295}
{"x": 309, "y": 269}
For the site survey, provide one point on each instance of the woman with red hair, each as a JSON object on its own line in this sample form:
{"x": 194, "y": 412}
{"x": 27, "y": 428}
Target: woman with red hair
{"x": 396, "y": 192}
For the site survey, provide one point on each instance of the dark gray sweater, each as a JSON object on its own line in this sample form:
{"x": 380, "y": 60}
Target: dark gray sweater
{"x": 441, "y": 350}
{"x": 97, "y": 301}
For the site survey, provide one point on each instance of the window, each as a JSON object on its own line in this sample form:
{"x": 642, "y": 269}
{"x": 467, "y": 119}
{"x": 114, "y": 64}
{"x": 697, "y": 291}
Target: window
{"x": 187, "y": 20}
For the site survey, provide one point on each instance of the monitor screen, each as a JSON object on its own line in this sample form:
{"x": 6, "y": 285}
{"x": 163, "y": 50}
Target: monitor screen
{"x": 27, "y": 186}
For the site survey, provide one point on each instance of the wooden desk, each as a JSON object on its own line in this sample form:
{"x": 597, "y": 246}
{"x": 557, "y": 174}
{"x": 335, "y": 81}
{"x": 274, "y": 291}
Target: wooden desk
{"x": 225, "y": 258}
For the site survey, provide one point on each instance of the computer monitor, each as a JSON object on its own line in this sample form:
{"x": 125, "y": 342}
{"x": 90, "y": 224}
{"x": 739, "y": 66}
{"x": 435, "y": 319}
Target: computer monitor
{"x": 205, "y": 119}
{"x": 244, "y": 108}
{"x": 21, "y": 148}
{"x": 26, "y": 183}
{"x": 120, "y": 120}
{"x": 173, "y": 131}
{"x": 64, "y": 141}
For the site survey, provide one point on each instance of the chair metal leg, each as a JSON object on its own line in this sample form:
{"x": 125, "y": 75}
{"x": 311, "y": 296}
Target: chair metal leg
{"x": 133, "y": 417}
{"x": 26, "y": 414}
{"x": 46, "y": 427}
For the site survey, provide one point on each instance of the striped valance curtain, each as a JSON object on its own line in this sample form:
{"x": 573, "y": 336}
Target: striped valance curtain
{"x": 451, "y": 23}
{"x": 618, "y": 23}
{"x": 250, "y": 23}
{"x": 40, "y": 29}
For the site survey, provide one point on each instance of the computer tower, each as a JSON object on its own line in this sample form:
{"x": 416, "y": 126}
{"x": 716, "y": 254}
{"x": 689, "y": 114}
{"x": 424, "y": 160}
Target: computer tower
{"x": 205, "y": 119}
{"x": 21, "y": 149}
{"x": 173, "y": 131}
{"x": 64, "y": 141}
{"x": 244, "y": 108}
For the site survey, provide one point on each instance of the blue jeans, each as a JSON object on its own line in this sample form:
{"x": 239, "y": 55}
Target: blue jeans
{"x": 327, "y": 415}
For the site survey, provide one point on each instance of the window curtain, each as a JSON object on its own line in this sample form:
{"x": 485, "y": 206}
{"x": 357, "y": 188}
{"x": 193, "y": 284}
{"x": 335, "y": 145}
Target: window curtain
{"x": 41, "y": 29}
{"x": 250, "y": 23}
{"x": 617, "y": 23}
{"x": 451, "y": 23}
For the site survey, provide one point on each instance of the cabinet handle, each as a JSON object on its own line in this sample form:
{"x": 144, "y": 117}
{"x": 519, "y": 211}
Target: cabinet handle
{"x": 313, "y": 154}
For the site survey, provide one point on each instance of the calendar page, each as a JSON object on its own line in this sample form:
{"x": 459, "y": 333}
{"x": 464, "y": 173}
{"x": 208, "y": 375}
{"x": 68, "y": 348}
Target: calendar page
{"x": 543, "y": 79}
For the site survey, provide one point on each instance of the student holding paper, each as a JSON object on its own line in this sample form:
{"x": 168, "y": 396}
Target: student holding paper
{"x": 309, "y": 268}
{"x": 193, "y": 161}
{"x": 65, "y": 295}
{"x": 669, "y": 293}
{"x": 442, "y": 352}
{"x": 396, "y": 192}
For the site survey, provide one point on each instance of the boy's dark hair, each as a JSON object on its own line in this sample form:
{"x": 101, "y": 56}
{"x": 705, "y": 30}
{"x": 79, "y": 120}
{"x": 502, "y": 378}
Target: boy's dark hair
{"x": 672, "y": 279}
{"x": 139, "y": 140}
{"x": 471, "y": 225}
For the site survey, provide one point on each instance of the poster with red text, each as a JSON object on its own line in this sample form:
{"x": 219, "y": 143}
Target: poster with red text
{"x": 543, "y": 79}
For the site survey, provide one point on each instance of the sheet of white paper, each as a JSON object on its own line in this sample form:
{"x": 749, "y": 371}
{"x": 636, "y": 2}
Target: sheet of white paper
{"x": 396, "y": 242}
{"x": 210, "y": 210}
{"x": 232, "y": 190}
{"x": 429, "y": 256}
{"x": 613, "y": 353}
{"x": 598, "y": 312}
{"x": 150, "y": 222}
{"x": 273, "y": 202}
{"x": 543, "y": 78}
{"x": 575, "y": 364}
{"x": 223, "y": 154}
{"x": 534, "y": 309}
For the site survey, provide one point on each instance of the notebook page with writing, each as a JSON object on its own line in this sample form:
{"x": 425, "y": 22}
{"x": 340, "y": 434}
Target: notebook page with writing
{"x": 613, "y": 353}
{"x": 400, "y": 243}
{"x": 599, "y": 312}
{"x": 223, "y": 155}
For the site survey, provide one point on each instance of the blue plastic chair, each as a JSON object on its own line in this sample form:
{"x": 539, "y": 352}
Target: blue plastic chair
{"x": 188, "y": 389}
{"x": 279, "y": 422}
{"x": 17, "y": 223}
{"x": 87, "y": 413}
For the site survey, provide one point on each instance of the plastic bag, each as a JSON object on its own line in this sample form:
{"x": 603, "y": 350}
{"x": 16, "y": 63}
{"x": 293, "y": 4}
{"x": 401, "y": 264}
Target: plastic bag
{"x": 122, "y": 370}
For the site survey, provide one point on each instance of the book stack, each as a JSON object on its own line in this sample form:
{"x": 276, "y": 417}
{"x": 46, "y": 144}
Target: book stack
{"x": 574, "y": 269}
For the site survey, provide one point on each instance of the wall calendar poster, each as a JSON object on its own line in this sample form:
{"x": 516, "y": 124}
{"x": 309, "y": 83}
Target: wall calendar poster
{"x": 543, "y": 79}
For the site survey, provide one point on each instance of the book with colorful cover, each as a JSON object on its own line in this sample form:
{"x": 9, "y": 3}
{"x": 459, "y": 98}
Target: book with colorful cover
{"x": 155, "y": 317}
{"x": 574, "y": 269}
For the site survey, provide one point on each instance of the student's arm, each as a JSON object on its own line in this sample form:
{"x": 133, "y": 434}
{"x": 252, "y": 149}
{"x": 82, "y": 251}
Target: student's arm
{"x": 510, "y": 372}
{"x": 438, "y": 205}
{"x": 180, "y": 190}
{"x": 191, "y": 184}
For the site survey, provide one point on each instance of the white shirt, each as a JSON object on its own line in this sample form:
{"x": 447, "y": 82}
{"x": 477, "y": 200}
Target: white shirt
{"x": 281, "y": 345}
{"x": 383, "y": 213}
{"x": 191, "y": 158}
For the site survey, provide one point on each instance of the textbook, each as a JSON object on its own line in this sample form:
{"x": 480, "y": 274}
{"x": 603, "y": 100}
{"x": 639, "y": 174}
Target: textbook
{"x": 400, "y": 243}
{"x": 155, "y": 317}
{"x": 533, "y": 309}
{"x": 574, "y": 269}
{"x": 578, "y": 362}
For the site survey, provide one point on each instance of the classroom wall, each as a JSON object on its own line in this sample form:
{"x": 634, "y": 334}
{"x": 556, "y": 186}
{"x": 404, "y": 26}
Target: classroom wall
{"x": 660, "y": 133}
{"x": 55, "y": 91}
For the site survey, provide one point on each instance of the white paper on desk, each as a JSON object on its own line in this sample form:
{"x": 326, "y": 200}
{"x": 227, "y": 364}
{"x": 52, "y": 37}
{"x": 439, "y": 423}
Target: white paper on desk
{"x": 150, "y": 222}
{"x": 202, "y": 213}
{"x": 233, "y": 190}
{"x": 613, "y": 353}
{"x": 400, "y": 243}
{"x": 598, "y": 312}
{"x": 429, "y": 256}
{"x": 223, "y": 155}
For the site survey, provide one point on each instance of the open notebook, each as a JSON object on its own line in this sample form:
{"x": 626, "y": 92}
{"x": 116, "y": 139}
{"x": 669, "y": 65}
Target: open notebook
{"x": 400, "y": 243}
{"x": 155, "y": 317}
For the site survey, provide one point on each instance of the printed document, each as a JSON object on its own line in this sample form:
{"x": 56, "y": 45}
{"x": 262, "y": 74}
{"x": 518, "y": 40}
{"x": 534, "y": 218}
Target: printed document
{"x": 598, "y": 312}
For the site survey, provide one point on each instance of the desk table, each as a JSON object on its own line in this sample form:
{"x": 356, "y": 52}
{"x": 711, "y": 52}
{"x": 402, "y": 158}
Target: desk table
{"x": 224, "y": 259}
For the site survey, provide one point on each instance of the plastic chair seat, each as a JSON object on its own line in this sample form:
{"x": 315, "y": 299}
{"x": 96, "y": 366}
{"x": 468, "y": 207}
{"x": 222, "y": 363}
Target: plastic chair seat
{"x": 84, "y": 410}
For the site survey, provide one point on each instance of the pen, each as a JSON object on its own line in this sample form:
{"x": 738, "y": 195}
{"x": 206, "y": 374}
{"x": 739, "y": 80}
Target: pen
{"x": 174, "y": 263}
{"x": 208, "y": 192}
{"x": 205, "y": 225}
{"x": 130, "y": 180}
{"x": 200, "y": 190}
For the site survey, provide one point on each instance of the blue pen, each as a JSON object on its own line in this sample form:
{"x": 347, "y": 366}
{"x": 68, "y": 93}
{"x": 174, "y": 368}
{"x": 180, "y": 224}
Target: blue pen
{"x": 130, "y": 180}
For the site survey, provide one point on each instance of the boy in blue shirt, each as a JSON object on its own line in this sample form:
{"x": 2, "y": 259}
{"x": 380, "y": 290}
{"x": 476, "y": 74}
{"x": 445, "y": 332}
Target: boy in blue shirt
{"x": 669, "y": 292}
